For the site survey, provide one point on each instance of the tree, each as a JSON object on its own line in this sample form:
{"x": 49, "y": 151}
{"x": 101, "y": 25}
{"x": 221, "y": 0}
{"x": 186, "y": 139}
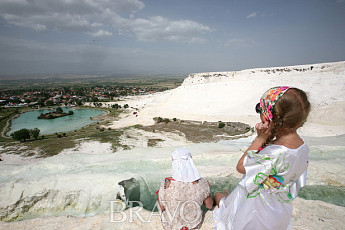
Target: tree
{"x": 49, "y": 103}
{"x": 22, "y": 134}
{"x": 126, "y": 106}
{"x": 35, "y": 133}
{"x": 41, "y": 102}
{"x": 221, "y": 125}
{"x": 59, "y": 110}
{"x": 116, "y": 106}
{"x": 79, "y": 102}
{"x": 97, "y": 104}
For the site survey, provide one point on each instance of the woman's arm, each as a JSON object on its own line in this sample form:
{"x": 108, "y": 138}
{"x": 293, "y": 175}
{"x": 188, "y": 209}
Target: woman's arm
{"x": 160, "y": 205}
{"x": 263, "y": 132}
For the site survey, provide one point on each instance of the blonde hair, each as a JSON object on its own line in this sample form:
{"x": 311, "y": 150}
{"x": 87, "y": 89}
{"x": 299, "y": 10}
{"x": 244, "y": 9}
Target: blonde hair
{"x": 290, "y": 111}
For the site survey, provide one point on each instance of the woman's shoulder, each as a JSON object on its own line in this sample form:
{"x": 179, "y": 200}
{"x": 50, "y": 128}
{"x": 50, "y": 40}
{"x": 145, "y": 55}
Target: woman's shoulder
{"x": 269, "y": 152}
{"x": 289, "y": 147}
{"x": 275, "y": 151}
{"x": 293, "y": 142}
{"x": 203, "y": 182}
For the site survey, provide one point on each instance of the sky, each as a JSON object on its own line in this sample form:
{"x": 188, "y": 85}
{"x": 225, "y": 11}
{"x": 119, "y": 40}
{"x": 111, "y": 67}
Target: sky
{"x": 173, "y": 37}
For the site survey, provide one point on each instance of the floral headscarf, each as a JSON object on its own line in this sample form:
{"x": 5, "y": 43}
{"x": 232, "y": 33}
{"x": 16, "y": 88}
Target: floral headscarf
{"x": 269, "y": 99}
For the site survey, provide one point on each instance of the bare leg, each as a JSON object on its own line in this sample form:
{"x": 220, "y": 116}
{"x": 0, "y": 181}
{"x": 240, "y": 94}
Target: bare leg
{"x": 218, "y": 196}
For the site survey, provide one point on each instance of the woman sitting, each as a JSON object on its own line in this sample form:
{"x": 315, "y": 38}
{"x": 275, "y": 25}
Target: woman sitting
{"x": 181, "y": 196}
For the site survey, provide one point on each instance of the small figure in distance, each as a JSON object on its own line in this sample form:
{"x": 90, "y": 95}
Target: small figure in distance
{"x": 274, "y": 166}
{"x": 181, "y": 196}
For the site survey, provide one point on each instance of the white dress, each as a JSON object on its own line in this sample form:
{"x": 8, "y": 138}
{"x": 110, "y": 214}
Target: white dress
{"x": 262, "y": 199}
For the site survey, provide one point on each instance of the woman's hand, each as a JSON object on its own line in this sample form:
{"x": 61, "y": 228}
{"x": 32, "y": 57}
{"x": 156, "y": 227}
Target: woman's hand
{"x": 263, "y": 130}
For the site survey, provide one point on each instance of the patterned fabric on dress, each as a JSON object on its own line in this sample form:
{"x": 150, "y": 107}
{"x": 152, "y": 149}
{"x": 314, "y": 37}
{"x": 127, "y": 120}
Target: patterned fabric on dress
{"x": 262, "y": 199}
{"x": 182, "y": 202}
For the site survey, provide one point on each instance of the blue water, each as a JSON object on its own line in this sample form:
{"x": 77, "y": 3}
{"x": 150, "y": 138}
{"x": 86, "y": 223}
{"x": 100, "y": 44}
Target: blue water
{"x": 79, "y": 119}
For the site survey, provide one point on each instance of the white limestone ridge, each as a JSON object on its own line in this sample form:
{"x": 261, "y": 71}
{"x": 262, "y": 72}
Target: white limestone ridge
{"x": 212, "y": 77}
{"x": 231, "y": 96}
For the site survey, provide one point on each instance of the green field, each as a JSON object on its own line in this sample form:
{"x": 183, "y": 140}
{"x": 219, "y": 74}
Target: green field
{"x": 43, "y": 82}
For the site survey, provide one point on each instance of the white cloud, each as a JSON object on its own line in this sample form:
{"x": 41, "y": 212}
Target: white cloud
{"x": 252, "y": 15}
{"x": 235, "y": 42}
{"x": 162, "y": 29}
{"x": 73, "y": 15}
{"x": 95, "y": 24}
{"x": 39, "y": 27}
{"x": 97, "y": 18}
{"x": 102, "y": 33}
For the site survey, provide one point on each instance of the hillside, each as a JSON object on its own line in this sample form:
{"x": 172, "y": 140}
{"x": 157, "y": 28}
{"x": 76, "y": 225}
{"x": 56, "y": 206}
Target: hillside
{"x": 231, "y": 96}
